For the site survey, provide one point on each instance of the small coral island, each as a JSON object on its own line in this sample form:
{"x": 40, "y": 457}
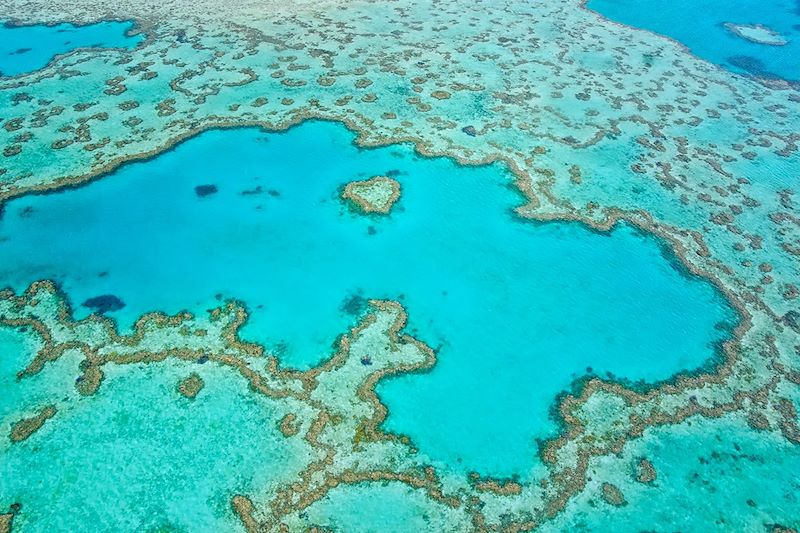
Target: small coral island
{"x": 756, "y": 33}
{"x": 375, "y": 195}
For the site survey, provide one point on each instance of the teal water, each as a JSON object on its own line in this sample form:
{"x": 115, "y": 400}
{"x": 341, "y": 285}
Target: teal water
{"x": 712, "y": 475}
{"x": 381, "y": 507}
{"x": 27, "y": 48}
{"x": 699, "y": 25}
{"x": 136, "y": 456}
{"x": 517, "y": 310}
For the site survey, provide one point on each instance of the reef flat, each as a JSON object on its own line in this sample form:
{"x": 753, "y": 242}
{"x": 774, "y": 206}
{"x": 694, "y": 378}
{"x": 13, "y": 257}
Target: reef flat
{"x": 626, "y": 186}
{"x": 757, "y": 33}
{"x": 375, "y": 195}
{"x": 479, "y": 283}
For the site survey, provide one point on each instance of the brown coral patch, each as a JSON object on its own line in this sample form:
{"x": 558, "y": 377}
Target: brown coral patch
{"x": 375, "y": 195}
{"x": 26, "y": 427}
{"x": 612, "y": 495}
{"x": 645, "y": 472}
{"x": 191, "y": 386}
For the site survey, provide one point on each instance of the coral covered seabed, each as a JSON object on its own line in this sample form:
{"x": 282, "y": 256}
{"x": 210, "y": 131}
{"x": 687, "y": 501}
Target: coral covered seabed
{"x": 184, "y": 421}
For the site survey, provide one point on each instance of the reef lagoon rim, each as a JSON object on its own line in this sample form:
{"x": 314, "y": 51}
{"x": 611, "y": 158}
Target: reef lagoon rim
{"x": 516, "y": 310}
{"x": 705, "y": 29}
{"x": 28, "y": 48}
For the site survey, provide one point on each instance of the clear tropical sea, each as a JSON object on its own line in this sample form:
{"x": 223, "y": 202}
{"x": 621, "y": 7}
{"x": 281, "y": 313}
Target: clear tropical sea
{"x": 700, "y": 26}
{"x": 27, "y": 48}
{"x": 557, "y": 401}
{"x": 132, "y": 458}
{"x": 517, "y": 310}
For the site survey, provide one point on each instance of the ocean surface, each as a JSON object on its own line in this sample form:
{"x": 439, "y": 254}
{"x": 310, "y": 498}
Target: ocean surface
{"x": 132, "y": 458}
{"x": 581, "y": 314}
{"x": 531, "y": 306}
{"x": 28, "y": 48}
{"x": 700, "y": 26}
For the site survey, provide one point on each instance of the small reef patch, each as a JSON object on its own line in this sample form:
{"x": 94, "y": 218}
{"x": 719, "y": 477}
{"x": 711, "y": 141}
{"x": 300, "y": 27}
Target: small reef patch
{"x": 645, "y": 472}
{"x": 191, "y": 386}
{"x": 7, "y": 519}
{"x": 757, "y": 33}
{"x": 28, "y": 426}
{"x": 375, "y": 195}
{"x": 612, "y": 495}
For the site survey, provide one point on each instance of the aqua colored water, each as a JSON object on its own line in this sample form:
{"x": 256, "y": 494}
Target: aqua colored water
{"x": 384, "y": 507}
{"x": 699, "y": 25}
{"x": 517, "y": 310}
{"x": 712, "y": 475}
{"x": 28, "y": 48}
{"x": 136, "y": 456}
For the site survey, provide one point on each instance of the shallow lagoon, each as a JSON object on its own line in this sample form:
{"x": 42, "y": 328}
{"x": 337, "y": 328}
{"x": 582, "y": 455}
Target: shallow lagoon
{"x": 27, "y": 48}
{"x": 712, "y": 475}
{"x": 136, "y": 456}
{"x": 517, "y": 310}
{"x": 700, "y": 27}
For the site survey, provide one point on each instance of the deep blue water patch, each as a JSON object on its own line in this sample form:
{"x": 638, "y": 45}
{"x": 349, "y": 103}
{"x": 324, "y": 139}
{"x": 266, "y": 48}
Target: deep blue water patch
{"x": 105, "y": 303}
{"x": 25, "y": 49}
{"x": 207, "y": 190}
{"x": 700, "y": 26}
{"x": 516, "y": 311}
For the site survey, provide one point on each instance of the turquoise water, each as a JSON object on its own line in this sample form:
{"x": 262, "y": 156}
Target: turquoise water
{"x": 114, "y": 462}
{"x": 699, "y": 26}
{"x": 517, "y": 310}
{"x": 381, "y": 507}
{"x": 28, "y": 48}
{"x": 712, "y": 475}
